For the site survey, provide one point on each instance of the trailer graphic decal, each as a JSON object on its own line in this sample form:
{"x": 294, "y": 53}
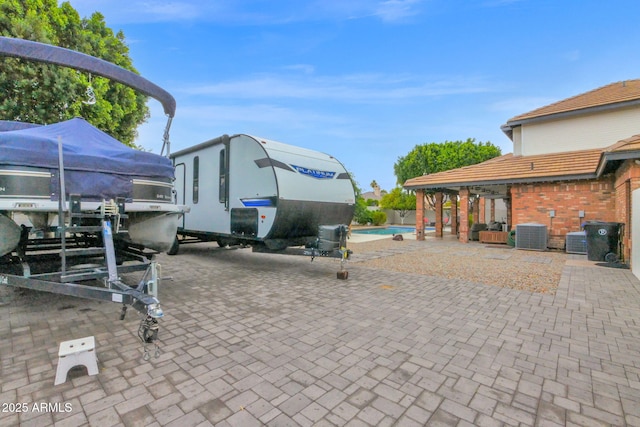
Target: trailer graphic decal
{"x": 318, "y": 174}
{"x": 259, "y": 202}
{"x": 267, "y": 162}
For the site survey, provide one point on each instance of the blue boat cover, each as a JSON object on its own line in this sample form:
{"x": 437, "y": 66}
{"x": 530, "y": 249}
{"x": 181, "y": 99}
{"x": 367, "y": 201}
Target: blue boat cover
{"x": 96, "y": 166}
{"x": 6, "y": 125}
{"x": 85, "y": 148}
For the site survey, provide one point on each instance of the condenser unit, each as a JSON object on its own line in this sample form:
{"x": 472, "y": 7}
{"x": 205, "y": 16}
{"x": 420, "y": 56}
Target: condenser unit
{"x": 531, "y": 236}
{"x": 577, "y": 242}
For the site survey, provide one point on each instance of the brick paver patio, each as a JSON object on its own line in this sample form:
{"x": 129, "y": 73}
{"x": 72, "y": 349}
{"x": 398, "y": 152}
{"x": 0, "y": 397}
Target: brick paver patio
{"x": 253, "y": 339}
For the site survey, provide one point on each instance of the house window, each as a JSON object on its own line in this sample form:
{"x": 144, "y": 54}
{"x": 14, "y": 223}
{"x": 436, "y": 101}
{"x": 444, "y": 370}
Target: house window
{"x": 196, "y": 178}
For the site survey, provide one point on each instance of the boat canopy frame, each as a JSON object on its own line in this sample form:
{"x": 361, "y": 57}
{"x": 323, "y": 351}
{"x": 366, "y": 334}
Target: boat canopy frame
{"x": 49, "y": 54}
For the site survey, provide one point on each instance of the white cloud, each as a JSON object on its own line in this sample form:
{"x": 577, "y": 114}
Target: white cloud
{"x": 134, "y": 11}
{"x": 397, "y": 10}
{"x": 242, "y": 12}
{"x": 350, "y": 88}
{"x": 571, "y": 56}
{"x": 166, "y": 11}
{"x": 498, "y": 3}
{"x": 305, "y": 68}
{"x": 255, "y": 113}
{"x": 516, "y": 106}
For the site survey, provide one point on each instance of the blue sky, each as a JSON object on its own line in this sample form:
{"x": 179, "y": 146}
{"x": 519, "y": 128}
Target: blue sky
{"x": 367, "y": 80}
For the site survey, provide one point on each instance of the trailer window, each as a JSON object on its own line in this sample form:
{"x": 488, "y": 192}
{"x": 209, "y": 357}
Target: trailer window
{"x": 196, "y": 178}
{"x": 222, "y": 188}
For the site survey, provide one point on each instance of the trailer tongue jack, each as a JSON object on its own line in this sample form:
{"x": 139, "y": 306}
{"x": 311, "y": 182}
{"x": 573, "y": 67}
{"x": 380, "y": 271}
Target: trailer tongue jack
{"x": 331, "y": 242}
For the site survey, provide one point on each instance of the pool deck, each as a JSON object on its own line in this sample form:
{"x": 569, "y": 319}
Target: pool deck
{"x": 361, "y": 237}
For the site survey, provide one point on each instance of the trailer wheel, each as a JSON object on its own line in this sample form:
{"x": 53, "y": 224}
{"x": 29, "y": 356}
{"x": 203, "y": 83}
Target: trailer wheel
{"x": 611, "y": 257}
{"x": 175, "y": 247}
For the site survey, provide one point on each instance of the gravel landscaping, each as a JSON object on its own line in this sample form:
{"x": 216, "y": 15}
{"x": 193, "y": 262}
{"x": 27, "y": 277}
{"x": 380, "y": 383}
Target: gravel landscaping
{"x": 496, "y": 265}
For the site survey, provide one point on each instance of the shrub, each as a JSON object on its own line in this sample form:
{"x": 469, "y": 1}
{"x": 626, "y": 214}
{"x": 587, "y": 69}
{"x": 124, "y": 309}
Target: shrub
{"x": 361, "y": 215}
{"x": 378, "y": 217}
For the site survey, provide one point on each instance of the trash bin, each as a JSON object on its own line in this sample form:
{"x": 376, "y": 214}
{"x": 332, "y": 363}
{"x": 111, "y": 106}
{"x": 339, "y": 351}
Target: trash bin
{"x": 602, "y": 240}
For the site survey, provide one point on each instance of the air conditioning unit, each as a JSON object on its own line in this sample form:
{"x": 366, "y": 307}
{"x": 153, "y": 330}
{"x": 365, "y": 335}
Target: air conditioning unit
{"x": 577, "y": 242}
{"x": 531, "y": 236}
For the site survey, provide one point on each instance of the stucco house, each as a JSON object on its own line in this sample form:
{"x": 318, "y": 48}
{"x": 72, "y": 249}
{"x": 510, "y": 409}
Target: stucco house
{"x": 573, "y": 161}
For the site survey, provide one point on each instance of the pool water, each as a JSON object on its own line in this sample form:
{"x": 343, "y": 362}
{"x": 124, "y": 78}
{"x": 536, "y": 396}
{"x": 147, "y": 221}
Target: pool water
{"x": 389, "y": 230}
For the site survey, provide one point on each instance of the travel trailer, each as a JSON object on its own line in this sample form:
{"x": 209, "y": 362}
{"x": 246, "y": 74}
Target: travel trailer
{"x": 247, "y": 190}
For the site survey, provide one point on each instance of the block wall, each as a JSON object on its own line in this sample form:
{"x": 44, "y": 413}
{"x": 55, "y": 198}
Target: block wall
{"x": 534, "y": 203}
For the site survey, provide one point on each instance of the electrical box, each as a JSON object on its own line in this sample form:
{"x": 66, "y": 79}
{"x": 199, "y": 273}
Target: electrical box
{"x": 580, "y": 214}
{"x": 552, "y": 213}
{"x": 531, "y": 236}
{"x": 576, "y": 242}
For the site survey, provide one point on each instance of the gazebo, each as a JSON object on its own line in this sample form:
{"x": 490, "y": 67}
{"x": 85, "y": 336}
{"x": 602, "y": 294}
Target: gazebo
{"x": 536, "y": 187}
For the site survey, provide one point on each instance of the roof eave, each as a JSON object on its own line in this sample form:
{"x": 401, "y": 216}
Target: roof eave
{"x": 616, "y": 155}
{"x": 571, "y": 113}
{"x": 508, "y": 130}
{"x": 506, "y": 181}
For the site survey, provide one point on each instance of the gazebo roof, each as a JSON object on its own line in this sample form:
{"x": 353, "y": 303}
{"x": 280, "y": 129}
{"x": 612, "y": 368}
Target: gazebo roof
{"x": 490, "y": 178}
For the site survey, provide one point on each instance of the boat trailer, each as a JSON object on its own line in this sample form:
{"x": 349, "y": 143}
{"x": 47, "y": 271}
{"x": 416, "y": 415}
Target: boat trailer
{"x": 63, "y": 257}
{"x": 84, "y": 251}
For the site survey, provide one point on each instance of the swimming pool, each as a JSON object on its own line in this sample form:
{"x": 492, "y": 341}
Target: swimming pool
{"x": 389, "y": 230}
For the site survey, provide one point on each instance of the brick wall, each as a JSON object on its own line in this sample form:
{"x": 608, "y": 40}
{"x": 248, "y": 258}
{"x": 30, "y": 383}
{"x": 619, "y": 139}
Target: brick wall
{"x": 533, "y": 203}
{"x": 627, "y": 180}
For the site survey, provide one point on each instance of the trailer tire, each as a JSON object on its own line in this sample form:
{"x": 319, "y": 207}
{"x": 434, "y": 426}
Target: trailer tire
{"x": 175, "y": 247}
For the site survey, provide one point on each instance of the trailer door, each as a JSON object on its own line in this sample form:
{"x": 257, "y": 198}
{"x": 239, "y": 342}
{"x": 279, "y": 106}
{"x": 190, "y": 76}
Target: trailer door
{"x": 179, "y": 187}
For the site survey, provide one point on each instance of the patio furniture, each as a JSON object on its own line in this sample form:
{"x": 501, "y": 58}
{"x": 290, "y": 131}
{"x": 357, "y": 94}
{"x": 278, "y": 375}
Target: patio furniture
{"x": 493, "y": 237}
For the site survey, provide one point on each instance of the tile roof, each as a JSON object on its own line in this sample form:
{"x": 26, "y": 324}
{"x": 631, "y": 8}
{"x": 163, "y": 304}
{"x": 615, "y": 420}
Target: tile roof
{"x": 583, "y": 164}
{"x": 510, "y": 169}
{"x": 629, "y": 144}
{"x": 624, "y": 91}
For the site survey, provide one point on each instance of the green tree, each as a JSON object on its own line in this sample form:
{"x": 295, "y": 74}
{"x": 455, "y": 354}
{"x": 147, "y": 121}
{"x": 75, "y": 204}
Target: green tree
{"x": 400, "y": 201}
{"x": 361, "y": 214}
{"x": 41, "y": 93}
{"x": 438, "y": 157}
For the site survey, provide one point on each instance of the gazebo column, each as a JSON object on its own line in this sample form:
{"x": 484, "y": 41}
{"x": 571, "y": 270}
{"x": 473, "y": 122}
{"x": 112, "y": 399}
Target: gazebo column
{"x": 454, "y": 214}
{"x": 493, "y": 210}
{"x": 439, "y": 227}
{"x": 464, "y": 215}
{"x": 482, "y": 206}
{"x": 475, "y": 209}
{"x": 419, "y": 214}
{"x": 507, "y": 203}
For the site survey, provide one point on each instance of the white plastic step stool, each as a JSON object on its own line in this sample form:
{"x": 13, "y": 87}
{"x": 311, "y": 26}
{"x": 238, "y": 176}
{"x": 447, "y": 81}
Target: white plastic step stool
{"x": 76, "y": 352}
